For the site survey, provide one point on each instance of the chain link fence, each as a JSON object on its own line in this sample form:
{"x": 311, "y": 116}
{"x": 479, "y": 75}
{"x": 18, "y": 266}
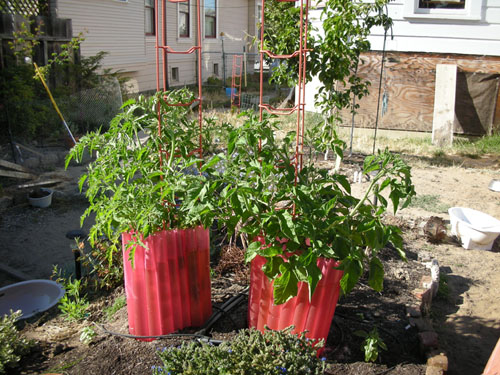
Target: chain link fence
{"x": 94, "y": 108}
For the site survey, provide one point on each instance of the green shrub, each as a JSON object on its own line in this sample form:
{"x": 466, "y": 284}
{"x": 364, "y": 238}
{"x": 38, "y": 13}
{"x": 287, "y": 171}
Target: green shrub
{"x": 250, "y": 352}
{"x": 12, "y": 346}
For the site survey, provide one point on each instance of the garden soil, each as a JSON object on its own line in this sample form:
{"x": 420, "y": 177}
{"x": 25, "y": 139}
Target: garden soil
{"x": 466, "y": 314}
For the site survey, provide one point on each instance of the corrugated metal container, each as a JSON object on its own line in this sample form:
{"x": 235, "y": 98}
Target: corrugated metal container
{"x": 168, "y": 287}
{"x": 314, "y": 316}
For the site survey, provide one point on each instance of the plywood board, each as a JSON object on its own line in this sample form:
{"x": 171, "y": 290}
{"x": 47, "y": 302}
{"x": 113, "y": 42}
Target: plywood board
{"x": 15, "y": 174}
{"x": 17, "y": 167}
{"x": 409, "y": 83}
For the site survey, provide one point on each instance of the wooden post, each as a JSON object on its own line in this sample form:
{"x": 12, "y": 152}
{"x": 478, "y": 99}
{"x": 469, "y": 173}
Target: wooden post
{"x": 444, "y": 105}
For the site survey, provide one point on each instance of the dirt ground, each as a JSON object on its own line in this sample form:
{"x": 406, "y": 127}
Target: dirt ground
{"x": 466, "y": 317}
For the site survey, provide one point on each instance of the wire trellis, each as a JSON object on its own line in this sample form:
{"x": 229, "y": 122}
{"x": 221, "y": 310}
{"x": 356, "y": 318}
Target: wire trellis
{"x": 25, "y": 7}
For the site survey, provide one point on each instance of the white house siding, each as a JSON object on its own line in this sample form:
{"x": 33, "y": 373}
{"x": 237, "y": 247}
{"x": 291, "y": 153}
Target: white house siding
{"x": 409, "y": 76}
{"x": 117, "y": 27}
{"x": 434, "y": 35}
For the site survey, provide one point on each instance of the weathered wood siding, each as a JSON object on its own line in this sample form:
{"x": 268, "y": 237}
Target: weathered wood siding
{"x": 408, "y": 83}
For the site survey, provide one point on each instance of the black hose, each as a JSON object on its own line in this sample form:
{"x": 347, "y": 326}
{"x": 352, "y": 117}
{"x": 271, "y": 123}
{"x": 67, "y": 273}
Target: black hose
{"x": 170, "y": 335}
{"x": 200, "y": 335}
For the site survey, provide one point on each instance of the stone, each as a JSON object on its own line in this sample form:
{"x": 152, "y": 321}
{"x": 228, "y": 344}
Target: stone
{"x": 422, "y": 324}
{"x": 426, "y": 282}
{"x": 428, "y": 340}
{"x": 431, "y": 370}
{"x": 413, "y": 311}
{"x": 435, "y": 277}
{"x": 5, "y": 202}
{"x": 437, "y": 359}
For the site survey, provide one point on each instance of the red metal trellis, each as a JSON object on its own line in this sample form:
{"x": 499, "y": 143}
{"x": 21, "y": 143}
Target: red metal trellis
{"x": 299, "y": 107}
{"x": 162, "y": 66}
{"x": 236, "y": 81}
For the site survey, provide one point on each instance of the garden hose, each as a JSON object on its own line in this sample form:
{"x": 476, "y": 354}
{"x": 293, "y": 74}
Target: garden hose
{"x": 170, "y": 335}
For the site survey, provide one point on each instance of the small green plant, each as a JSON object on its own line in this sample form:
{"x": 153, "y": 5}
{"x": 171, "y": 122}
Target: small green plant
{"x": 72, "y": 304}
{"x": 110, "y": 311}
{"x": 443, "y": 291}
{"x": 87, "y": 334}
{"x": 12, "y": 345}
{"x": 372, "y": 344}
{"x": 429, "y": 202}
{"x": 250, "y": 352}
{"x": 63, "y": 367}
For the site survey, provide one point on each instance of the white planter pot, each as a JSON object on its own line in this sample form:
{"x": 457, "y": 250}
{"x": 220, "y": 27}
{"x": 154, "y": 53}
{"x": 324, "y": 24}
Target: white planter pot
{"x": 44, "y": 201}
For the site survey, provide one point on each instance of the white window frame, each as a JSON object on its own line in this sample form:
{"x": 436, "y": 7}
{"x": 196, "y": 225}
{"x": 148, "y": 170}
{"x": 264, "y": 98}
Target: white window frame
{"x": 217, "y": 20}
{"x": 190, "y": 33}
{"x": 146, "y": 9}
{"x": 471, "y": 12}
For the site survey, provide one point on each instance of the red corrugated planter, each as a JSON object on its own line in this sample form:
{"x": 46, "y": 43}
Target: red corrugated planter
{"x": 314, "y": 316}
{"x": 168, "y": 288}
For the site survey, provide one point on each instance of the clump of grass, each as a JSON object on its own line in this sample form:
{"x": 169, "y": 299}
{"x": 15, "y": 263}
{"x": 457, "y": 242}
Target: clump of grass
{"x": 429, "y": 202}
{"x": 477, "y": 147}
{"x": 110, "y": 311}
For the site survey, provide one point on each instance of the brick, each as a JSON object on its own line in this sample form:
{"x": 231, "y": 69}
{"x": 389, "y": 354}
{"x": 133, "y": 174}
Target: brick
{"x": 437, "y": 359}
{"x": 428, "y": 340}
{"x": 425, "y": 296}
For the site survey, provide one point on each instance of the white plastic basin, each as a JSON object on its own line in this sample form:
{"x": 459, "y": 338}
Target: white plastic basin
{"x": 475, "y": 229}
{"x": 31, "y": 297}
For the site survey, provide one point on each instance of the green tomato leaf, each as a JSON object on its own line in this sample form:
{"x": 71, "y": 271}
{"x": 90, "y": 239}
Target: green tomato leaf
{"x": 252, "y": 251}
{"x": 376, "y": 278}
{"x": 352, "y": 272}
{"x": 285, "y": 286}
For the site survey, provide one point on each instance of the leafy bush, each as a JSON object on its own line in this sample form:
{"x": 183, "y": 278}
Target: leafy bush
{"x": 250, "y": 352}
{"x": 12, "y": 346}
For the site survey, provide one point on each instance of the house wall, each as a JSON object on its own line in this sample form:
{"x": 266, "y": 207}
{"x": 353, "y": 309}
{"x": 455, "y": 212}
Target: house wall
{"x": 419, "y": 43}
{"x": 117, "y": 27}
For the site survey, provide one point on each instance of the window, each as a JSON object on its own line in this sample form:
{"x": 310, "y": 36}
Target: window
{"x": 149, "y": 21}
{"x": 175, "y": 74}
{"x": 433, "y": 4}
{"x": 210, "y": 18}
{"x": 469, "y": 10}
{"x": 184, "y": 18}
{"x": 216, "y": 69}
